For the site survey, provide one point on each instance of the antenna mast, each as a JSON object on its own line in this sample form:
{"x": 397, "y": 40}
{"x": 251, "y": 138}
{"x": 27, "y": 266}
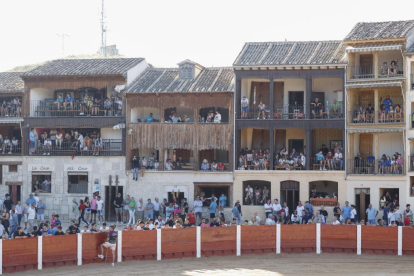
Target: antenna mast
{"x": 103, "y": 31}
{"x": 63, "y": 42}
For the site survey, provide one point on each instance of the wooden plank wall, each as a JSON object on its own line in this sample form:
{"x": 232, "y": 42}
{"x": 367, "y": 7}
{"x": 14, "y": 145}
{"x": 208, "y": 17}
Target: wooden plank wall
{"x": 218, "y": 241}
{"x": 139, "y": 245}
{"x": 408, "y": 241}
{"x": 178, "y": 243}
{"x": 91, "y": 247}
{"x": 379, "y": 240}
{"x": 336, "y": 239}
{"x": 60, "y": 250}
{"x": 258, "y": 242}
{"x": 19, "y": 255}
{"x": 296, "y": 239}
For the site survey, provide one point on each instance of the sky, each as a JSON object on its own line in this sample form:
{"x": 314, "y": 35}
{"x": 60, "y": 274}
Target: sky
{"x": 211, "y": 33}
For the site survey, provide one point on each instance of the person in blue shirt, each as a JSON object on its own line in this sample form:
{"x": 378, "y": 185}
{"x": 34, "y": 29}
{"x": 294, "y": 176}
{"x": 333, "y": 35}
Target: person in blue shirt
{"x": 169, "y": 210}
{"x": 46, "y": 230}
{"x": 308, "y": 207}
{"x": 346, "y": 211}
{"x": 236, "y": 213}
{"x": 212, "y": 208}
{"x": 68, "y": 101}
{"x": 387, "y": 103}
{"x": 59, "y": 101}
{"x": 149, "y": 118}
{"x": 223, "y": 202}
{"x": 385, "y": 213}
{"x": 320, "y": 159}
{"x": 31, "y": 200}
{"x": 371, "y": 214}
{"x": 388, "y": 165}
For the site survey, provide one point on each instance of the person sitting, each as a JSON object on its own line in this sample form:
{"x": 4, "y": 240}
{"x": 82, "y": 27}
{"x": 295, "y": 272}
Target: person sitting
{"x": 214, "y": 166}
{"x": 329, "y": 161}
{"x": 384, "y": 69}
{"x": 387, "y": 102}
{"x": 179, "y": 164}
{"x": 68, "y": 101}
{"x": 393, "y": 70}
{"x": 398, "y": 113}
{"x": 168, "y": 165}
{"x": 338, "y": 159}
{"x": 335, "y": 109}
{"x": 149, "y": 118}
{"x": 369, "y": 113}
{"x": 59, "y": 101}
{"x": 205, "y": 166}
{"x": 262, "y": 112}
{"x": 220, "y": 167}
{"x": 360, "y": 114}
{"x": 316, "y": 108}
{"x": 320, "y": 160}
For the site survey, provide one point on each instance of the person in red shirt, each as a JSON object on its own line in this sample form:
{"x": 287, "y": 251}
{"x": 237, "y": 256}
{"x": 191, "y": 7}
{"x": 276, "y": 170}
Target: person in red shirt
{"x": 192, "y": 217}
{"x": 82, "y": 212}
{"x": 220, "y": 167}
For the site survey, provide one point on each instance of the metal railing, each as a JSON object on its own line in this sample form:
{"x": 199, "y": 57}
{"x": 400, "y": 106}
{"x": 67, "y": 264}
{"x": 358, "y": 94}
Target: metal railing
{"x": 330, "y": 164}
{"x": 368, "y": 72}
{"x": 388, "y": 72}
{"x": 78, "y": 107}
{"x": 362, "y": 72}
{"x": 10, "y": 148}
{"x": 374, "y": 167}
{"x": 364, "y": 117}
{"x": 110, "y": 147}
{"x": 75, "y": 188}
{"x": 293, "y": 112}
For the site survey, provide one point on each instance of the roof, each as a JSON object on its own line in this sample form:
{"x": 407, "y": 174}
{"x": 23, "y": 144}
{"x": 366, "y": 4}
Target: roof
{"x": 291, "y": 53}
{"x": 410, "y": 49}
{"x": 215, "y": 79}
{"x": 374, "y": 84}
{"x": 374, "y": 47}
{"x": 11, "y": 82}
{"x": 379, "y": 30}
{"x": 85, "y": 67}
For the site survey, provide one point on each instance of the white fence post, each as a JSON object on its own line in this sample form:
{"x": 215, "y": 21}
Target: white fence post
{"x": 359, "y": 239}
{"x": 198, "y": 241}
{"x": 400, "y": 241}
{"x": 79, "y": 248}
{"x": 278, "y": 238}
{"x": 1, "y": 256}
{"x": 318, "y": 238}
{"x": 238, "y": 241}
{"x": 39, "y": 252}
{"x": 119, "y": 247}
{"x": 158, "y": 244}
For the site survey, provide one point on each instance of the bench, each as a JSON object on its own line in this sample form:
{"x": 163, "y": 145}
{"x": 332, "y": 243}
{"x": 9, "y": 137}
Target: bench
{"x": 60, "y": 262}
{"x": 16, "y": 267}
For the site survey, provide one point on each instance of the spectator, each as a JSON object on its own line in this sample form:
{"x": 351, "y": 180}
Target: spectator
{"x": 118, "y": 202}
{"x": 100, "y": 206}
{"x": 262, "y": 110}
{"x": 205, "y": 166}
{"x": 131, "y": 207}
{"x": 150, "y": 209}
{"x": 144, "y": 165}
{"x": 244, "y": 107}
{"x": 212, "y": 208}
{"x": 316, "y": 108}
{"x": 335, "y": 108}
{"x": 346, "y": 211}
{"x": 41, "y": 206}
{"x": 217, "y": 117}
{"x": 140, "y": 209}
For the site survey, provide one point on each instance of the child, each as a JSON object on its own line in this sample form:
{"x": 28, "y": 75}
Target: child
{"x": 223, "y": 202}
{"x": 320, "y": 160}
{"x": 53, "y": 221}
{"x": 256, "y": 164}
{"x": 205, "y": 223}
{"x": 382, "y": 166}
{"x": 353, "y": 214}
{"x": 388, "y": 165}
{"x": 249, "y": 158}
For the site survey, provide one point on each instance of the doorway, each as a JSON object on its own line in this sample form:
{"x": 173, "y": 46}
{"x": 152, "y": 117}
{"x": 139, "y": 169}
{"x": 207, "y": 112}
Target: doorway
{"x": 110, "y": 195}
{"x": 362, "y": 200}
{"x": 296, "y": 101}
{"x": 289, "y": 193}
{"x": 366, "y": 144}
{"x": 297, "y": 144}
{"x": 15, "y": 192}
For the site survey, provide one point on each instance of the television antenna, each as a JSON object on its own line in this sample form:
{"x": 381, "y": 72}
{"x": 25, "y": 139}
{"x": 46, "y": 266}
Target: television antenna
{"x": 103, "y": 30}
{"x": 63, "y": 42}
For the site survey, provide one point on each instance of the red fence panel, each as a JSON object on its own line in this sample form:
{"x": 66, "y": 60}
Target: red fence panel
{"x": 19, "y": 255}
{"x": 338, "y": 239}
{"x": 60, "y": 250}
{"x": 298, "y": 239}
{"x": 379, "y": 240}
{"x": 408, "y": 241}
{"x": 258, "y": 239}
{"x": 139, "y": 245}
{"x": 91, "y": 247}
{"x": 178, "y": 243}
{"x": 218, "y": 241}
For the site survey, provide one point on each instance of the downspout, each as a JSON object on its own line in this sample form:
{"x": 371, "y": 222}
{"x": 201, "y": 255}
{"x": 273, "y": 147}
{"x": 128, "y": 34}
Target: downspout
{"x": 234, "y": 126}
{"x": 345, "y": 117}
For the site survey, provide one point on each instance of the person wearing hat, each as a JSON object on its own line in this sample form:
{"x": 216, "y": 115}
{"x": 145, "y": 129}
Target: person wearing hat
{"x": 244, "y": 107}
{"x": 205, "y": 166}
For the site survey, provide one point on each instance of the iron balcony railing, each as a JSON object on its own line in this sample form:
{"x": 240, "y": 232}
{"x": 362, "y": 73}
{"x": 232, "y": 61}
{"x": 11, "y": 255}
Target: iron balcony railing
{"x": 382, "y": 117}
{"x": 370, "y": 166}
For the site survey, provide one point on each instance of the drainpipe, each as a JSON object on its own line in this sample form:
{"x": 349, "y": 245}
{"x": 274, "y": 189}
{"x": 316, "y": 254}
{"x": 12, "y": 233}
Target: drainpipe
{"x": 345, "y": 117}
{"x": 234, "y": 127}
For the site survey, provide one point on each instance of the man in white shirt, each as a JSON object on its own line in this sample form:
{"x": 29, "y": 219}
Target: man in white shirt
{"x": 198, "y": 210}
{"x": 299, "y": 209}
{"x": 268, "y": 206}
{"x": 104, "y": 228}
{"x": 99, "y": 209}
{"x": 353, "y": 213}
{"x": 270, "y": 221}
{"x": 156, "y": 209}
{"x": 18, "y": 211}
{"x": 31, "y": 214}
{"x": 276, "y": 207}
{"x": 244, "y": 107}
{"x": 258, "y": 219}
{"x": 335, "y": 221}
{"x": 36, "y": 197}
{"x": 140, "y": 209}
{"x": 398, "y": 215}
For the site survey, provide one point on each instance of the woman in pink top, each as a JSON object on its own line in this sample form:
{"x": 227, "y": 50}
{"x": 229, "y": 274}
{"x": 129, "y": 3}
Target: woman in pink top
{"x": 93, "y": 209}
{"x": 177, "y": 210}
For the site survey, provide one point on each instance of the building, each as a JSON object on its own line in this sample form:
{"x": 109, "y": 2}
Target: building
{"x": 11, "y": 119}
{"x": 191, "y": 93}
{"x": 378, "y": 112}
{"x": 298, "y": 82}
{"x": 72, "y": 167}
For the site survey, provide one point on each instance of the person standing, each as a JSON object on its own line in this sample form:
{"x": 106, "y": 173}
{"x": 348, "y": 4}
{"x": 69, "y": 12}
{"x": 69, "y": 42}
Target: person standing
{"x": 5, "y": 220}
{"x": 198, "y": 209}
{"x": 236, "y": 213}
{"x": 135, "y": 168}
{"x": 126, "y": 202}
{"x": 7, "y": 203}
{"x": 13, "y": 223}
{"x": 346, "y": 212}
{"x": 100, "y": 206}
{"x": 75, "y": 209}
{"x": 371, "y": 214}
{"x": 140, "y": 209}
{"x": 408, "y": 215}
{"x": 150, "y": 209}
{"x": 31, "y": 215}
{"x": 18, "y": 211}
{"x": 244, "y": 107}
{"x": 110, "y": 243}
{"x": 132, "y": 206}
{"x": 118, "y": 202}
{"x": 82, "y": 208}
{"x": 41, "y": 206}
{"x": 157, "y": 206}
{"x": 87, "y": 204}
{"x": 212, "y": 208}
{"x": 144, "y": 164}
{"x": 25, "y": 212}
{"x": 93, "y": 209}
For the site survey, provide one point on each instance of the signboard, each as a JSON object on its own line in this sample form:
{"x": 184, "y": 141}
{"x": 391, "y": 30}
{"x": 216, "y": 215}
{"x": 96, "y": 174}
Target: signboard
{"x": 41, "y": 167}
{"x": 77, "y": 168}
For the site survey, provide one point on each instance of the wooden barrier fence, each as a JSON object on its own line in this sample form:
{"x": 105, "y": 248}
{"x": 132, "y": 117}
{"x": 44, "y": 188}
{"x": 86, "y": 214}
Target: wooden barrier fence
{"x": 31, "y": 253}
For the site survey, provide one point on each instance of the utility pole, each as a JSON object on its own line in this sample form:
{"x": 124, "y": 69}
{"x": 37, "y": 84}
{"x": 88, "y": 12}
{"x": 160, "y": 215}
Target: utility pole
{"x": 103, "y": 31}
{"x": 63, "y": 42}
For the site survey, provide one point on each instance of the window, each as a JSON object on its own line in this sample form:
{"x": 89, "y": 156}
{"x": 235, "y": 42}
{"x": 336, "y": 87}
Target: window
{"x": 78, "y": 183}
{"x": 256, "y": 192}
{"x": 208, "y": 190}
{"x": 12, "y": 168}
{"x": 41, "y": 183}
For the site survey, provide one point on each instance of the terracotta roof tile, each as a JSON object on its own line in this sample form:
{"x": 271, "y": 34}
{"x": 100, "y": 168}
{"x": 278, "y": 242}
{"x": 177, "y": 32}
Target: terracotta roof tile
{"x": 11, "y": 82}
{"x": 380, "y": 30}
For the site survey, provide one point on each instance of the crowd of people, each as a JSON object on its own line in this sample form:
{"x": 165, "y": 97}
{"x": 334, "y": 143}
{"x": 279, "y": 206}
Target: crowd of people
{"x": 386, "y": 165}
{"x": 8, "y": 146}
{"x": 212, "y": 117}
{"x": 10, "y": 107}
{"x": 388, "y": 112}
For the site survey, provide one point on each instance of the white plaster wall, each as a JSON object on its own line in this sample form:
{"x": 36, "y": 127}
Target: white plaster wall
{"x": 39, "y": 94}
{"x": 293, "y": 85}
{"x": 389, "y": 143}
{"x": 328, "y": 85}
{"x": 135, "y": 71}
{"x": 388, "y": 56}
{"x": 110, "y": 133}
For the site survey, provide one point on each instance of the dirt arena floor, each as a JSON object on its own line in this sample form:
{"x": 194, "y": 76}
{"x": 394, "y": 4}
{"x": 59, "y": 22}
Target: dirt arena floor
{"x": 257, "y": 265}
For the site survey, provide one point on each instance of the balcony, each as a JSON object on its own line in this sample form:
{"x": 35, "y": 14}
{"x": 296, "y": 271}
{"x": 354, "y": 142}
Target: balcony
{"x": 363, "y": 117}
{"x": 10, "y": 107}
{"x": 78, "y": 107}
{"x": 110, "y": 147}
{"x": 383, "y": 72}
{"x": 294, "y": 112}
{"x": 370, "y": 166}
{"x": 11, "y": 148}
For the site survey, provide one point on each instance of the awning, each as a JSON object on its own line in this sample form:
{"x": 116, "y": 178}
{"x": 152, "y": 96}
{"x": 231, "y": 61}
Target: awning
{"x": 374, "y": 84}
{"x": 375, "y": 130}
{"x": 373, "y": 48}
{"x": 11, "y": 120}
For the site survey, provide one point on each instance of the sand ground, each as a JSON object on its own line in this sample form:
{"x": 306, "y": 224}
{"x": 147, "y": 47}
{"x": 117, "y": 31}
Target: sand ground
{"x": 257, "y": 265}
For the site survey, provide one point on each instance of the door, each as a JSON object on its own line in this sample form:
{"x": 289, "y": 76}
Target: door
{"x": 14, "y": 191}
{"x": 366, "y": 98}
{"x": 289, "y": 193}
{"x": 296, "y": 101}
{"x": 280, "y": 140}
{"x": 365, "y": 144}
{"x": 262, "y": 94}
{"x": 109, "y": 207}
{"x": 362, "y": 200}
{"x": 296, "y": 144}
{"x": 278, "y": 91}
{"x": 366, "y": 66}
{"x": 260, "y": 139}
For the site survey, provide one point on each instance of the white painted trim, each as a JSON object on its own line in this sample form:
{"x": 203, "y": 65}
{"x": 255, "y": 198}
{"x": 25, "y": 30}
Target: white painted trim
{"x": 238, "y": 241}
{"x": 318, "y": 238}
{"x": 278, "y": 238}
{"x": 400, "y": 240}
{"x": 39, "y": 252}
{"x": 359, "y": 239}
{"x": 1, "y": 256}
{"x": 79, "y": 249}
{"x": 198, "y": 241}
{"x": 119, "y": 247}
{"x": 158, "y": 244}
